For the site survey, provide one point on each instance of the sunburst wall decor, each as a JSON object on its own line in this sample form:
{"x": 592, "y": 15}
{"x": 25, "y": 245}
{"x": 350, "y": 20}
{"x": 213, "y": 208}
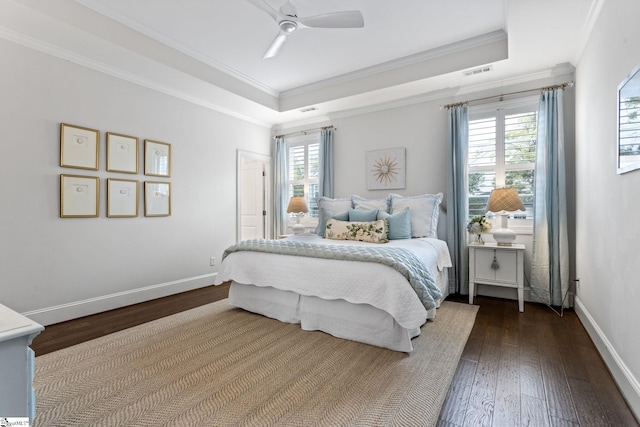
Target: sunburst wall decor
{"x": 386, "y": 169}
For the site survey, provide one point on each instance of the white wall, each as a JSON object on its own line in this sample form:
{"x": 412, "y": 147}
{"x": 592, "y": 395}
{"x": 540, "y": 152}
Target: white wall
{"x": 608, "y": 293}
{"x": 422, "y": 129}
{"x": 57, "y": 268}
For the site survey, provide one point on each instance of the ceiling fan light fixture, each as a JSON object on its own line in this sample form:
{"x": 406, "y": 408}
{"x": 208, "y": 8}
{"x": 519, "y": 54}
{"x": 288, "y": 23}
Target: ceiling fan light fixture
{"x": 288, "y": 26}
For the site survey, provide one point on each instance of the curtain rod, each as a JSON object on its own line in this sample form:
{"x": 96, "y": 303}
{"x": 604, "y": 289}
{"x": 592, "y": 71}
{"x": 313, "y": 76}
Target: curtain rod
{"x": 304, "y": 132}
{"x": 457, "y": 104}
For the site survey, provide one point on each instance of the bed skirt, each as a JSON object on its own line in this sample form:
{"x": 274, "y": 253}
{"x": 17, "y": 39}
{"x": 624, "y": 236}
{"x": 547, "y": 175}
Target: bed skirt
{"x": 357, "y": 322}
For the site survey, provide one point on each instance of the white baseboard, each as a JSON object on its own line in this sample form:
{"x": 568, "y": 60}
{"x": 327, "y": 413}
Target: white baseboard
{"x": 628, "y": 384}
{"x": 73, "y": 310}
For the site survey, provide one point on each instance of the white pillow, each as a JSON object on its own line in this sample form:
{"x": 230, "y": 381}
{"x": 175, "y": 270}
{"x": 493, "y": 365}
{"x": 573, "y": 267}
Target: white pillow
{"x": 361, "y": 203}
{"x": 424, "y": 212}
{"x": 331, "y": 205}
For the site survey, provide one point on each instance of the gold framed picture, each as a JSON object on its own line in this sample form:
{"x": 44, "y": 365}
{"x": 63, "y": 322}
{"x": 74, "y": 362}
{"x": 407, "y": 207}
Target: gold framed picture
{"x": 122, "y": 198}
{"x": 157, "y": 198}
{"x": 122, "y": 153}
{"x": 79, "y": 147}
{"x": 79, "y": 196}
{"x": 157, "y": 158}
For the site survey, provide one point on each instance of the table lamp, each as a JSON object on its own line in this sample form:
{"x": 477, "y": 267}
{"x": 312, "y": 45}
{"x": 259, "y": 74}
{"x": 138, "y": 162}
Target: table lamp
{"x": 298, "y": 206}
{"x": 503, "y": 201}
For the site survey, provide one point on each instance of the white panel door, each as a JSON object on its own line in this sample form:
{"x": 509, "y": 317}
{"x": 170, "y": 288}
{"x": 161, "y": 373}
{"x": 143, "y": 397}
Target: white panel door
{"x": 253, "y": 196}
{"x": 251, "y": 201}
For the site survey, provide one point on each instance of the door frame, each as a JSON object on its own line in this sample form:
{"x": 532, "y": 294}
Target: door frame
{"x": 266, "y": 159}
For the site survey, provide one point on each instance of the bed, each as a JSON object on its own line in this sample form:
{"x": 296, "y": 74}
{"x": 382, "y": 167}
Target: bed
{"x": 375, "y": 293}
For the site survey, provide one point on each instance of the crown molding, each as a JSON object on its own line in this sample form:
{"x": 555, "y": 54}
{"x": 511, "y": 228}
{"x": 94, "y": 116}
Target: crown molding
{"x": 397, "y": 64}
{"x": 393, "y": 65}
{"x": 446, "y": 93}
{"x": 335, "y": 97}
{"x": 398, "y": 103}
{"x": 592, "y": 18}
{"x": 135, "y": 25}
{"x": 390, "y": 66}
{"x": 55, "y": 51}
{"x": 437, "y": 95}
{"x": 558, "y": 70}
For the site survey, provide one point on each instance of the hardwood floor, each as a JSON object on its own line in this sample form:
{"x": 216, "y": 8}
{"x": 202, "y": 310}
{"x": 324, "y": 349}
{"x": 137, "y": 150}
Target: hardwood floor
{"x": 66, "y": 334}
{"x": 517, "y": 369}
{"x": 531, "y": 369}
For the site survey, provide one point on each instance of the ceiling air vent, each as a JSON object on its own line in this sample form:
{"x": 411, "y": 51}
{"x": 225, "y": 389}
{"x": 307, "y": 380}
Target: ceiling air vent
{"x": 478, "y": 70}
{"x": 308, "y": 109}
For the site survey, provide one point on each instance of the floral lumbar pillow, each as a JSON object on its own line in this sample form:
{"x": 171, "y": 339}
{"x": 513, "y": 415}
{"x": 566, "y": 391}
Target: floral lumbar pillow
{"x": 368, "y": 231}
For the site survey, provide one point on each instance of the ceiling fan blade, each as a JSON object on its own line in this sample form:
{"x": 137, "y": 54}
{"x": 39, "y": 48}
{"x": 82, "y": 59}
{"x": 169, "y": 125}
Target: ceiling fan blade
{"x": 276, "y": 44}
{"x": 265, "y": 7}
{"x": 288, "y": 8}
{"x": 347, "y": 19}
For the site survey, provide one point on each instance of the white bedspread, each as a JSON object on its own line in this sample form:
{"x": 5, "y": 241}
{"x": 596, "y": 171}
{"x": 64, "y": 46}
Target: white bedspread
{"x": 353, "y": 281}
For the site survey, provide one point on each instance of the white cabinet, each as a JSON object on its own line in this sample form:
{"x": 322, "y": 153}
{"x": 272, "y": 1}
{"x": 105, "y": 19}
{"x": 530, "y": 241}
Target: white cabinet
{"x": 17, "y": 397}
{"x": 490, "y": 264}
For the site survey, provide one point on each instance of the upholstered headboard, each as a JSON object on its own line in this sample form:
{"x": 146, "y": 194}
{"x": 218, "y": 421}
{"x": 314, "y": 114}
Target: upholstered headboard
{"x": 442, "y": 224}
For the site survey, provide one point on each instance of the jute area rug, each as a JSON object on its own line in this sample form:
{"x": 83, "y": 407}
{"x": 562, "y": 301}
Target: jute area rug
{"x": 221, "y": 366}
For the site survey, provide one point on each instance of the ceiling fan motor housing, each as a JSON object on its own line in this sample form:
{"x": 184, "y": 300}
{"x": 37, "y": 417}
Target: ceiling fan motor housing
{"x": 288, "y": 26}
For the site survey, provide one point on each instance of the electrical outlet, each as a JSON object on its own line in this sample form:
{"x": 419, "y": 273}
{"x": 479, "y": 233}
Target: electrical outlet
{"x": 212, "y": 261}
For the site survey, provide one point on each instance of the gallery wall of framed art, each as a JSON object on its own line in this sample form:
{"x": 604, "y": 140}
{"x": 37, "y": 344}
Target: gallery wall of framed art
{"x": 80, "y": 194}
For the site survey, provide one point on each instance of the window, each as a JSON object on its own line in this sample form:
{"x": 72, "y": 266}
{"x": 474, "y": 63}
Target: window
{"x": 303, "y": 172}
{"x": 502, "y": 153}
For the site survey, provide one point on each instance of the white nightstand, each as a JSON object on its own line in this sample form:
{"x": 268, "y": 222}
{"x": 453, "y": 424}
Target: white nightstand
{"x": 490, "y": 264}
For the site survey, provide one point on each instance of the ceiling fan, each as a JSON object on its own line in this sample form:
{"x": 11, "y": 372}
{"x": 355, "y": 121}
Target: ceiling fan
{"x": 288, "y": 21}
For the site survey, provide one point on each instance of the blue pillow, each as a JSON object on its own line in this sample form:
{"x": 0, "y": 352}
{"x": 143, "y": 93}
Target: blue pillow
{"x": 333, "y": 205}
{"x": 324, "y": 214}
{"x": 363, "y": 215}
{"x": 399, "y": 224}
